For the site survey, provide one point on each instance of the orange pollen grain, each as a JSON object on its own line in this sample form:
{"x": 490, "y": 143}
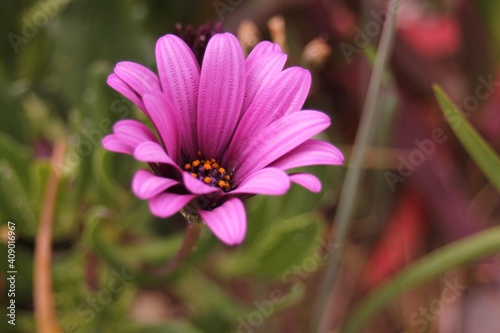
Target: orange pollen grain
{"x": 209, "y": 171}
{"x": 223, "y": 184}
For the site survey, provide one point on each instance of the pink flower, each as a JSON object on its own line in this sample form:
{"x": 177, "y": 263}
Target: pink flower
{"x": 224, "y": 133}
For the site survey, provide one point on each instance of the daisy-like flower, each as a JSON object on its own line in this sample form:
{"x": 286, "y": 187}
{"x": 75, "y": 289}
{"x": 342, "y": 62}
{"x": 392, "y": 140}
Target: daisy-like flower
{"x": 224, "y": 132}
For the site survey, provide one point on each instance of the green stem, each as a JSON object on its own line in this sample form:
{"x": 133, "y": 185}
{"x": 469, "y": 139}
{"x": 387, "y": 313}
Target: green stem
{"x": 193, "y": 229}
{"x": 363, "y": 138}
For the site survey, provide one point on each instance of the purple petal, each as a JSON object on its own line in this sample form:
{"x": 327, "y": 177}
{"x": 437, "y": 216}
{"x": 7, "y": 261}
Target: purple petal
{"x": 119, "y": 85}
{"x": 180, "y": 75}
{"x": 196, "y": 186}
{"x": 128, "y": 134}
{"x": 268, "y": 181}
{"x": 310, "y": 182}
{"x": 228, "y": 222}
{"x": 261, "y": 49}
{"x": 260, "y": 73}
{"x": 165, "y": 119}
{"x": 222, "y": 87}
{"x": 138, "y": 77}
{"x": 286, "y": 93}
{"x": 167, "y": 204}
{"x": 152, "y": 153}
{"x": 146, "y": 185}
{"x": 277, "y": 139}
{"x": 133, "y": 133}
{"x": 112, "y": 143}
{"x": 311, "y": 152}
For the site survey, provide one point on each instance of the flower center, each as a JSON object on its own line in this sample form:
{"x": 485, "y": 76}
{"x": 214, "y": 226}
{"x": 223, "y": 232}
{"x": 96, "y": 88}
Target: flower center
{"x": 210, "y": 172}
{"x": 198, "y": 39}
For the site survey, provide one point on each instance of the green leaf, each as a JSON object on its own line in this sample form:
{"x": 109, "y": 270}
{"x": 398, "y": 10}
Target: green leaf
{"x": 18, "y": 155}
{"x": 426, "y": 268}
{"x": 15, "y": 201}
{"x": 262, "y": 211}
{"x": 480, "y": 152}
{"x": 39, "y": 175}
{"x": 102, "y": 169}
{"x": 277, "y": 248}
{"x": 154, "y": 251}
{"x": 204, "y": 295}
{"x": 12, "y": 119}
{"x": 66, "y": 207}
{"x": 103, "y": 236}
{"x": 82, "y": 46}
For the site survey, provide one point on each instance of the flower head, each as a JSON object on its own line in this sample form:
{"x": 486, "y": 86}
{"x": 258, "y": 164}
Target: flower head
{"x": 224, "y": 132}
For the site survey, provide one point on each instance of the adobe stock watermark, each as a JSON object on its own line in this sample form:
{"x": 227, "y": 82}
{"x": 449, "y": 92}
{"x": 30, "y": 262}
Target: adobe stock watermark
{"x": 294, "y": 276}
{"x": 90, "y": 139}
{"x": 406, "y": 168}
{"x": 224, "y": 6}
{"x": 427, "y": 315}
{"x": 30, "y": 26}
{"x": 471, "y": 103}
{"x": 371, "y": 30}
{"x": 93, "y": 305}
{"x": 425, "y": 148}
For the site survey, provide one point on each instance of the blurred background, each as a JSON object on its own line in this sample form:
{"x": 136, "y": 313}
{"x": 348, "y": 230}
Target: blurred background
{"x": 420, "y": 188}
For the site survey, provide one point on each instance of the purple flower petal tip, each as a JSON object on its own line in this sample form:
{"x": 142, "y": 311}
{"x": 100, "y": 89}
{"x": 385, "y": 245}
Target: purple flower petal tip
{"x": 112, "y": 143}
{"x": 311, "y": 152}
{"x": 306, "y": 180}
{"x": 228, "y": 222}
{"x": 153, "y": 153}
{"x": 145, "y": 185}
{"x": 268, "y": 181}
{"x": 167, "y": 204}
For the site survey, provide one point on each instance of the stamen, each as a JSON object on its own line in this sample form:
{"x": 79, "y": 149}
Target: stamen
{"x": 223, "y": 184}
{"x": 210, "y": 172}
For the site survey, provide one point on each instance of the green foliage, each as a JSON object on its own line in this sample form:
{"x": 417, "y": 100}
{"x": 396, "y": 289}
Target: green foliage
{"x": 482, "y": 154}
{"x": 15, "y": 200}
{"x": 277, "y": 248}
{"x": 442, "y": 260}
